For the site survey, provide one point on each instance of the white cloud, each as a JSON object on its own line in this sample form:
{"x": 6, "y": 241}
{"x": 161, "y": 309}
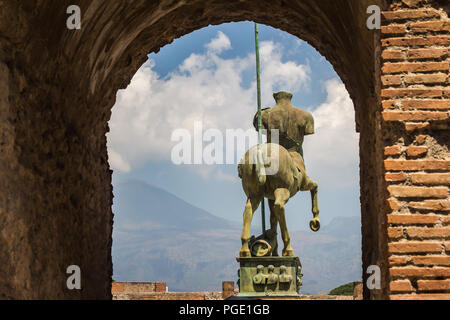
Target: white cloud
{"x": 205, "y": 87}
{"x": 219, "y": 44}
{"x": 331, "y": 154}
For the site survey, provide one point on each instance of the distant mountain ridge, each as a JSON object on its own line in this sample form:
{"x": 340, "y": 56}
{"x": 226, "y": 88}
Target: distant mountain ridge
{"x": 160, "y": 237}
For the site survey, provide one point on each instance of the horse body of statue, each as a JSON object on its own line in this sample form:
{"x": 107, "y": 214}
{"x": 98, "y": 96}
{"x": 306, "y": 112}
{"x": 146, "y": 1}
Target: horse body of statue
{"x": 277, "y": 186}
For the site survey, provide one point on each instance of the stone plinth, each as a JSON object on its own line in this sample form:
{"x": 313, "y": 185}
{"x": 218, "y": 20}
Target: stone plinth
{"x": 269, "y": 277}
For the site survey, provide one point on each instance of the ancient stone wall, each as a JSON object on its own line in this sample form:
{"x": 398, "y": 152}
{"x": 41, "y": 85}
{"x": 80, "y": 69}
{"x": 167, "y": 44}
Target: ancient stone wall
{"x": 416, "y": 105}
{"x": 57, "y": 88}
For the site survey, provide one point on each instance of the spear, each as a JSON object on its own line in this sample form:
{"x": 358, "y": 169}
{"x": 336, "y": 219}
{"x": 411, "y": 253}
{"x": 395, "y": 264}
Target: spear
{"x": 258, "y": 86}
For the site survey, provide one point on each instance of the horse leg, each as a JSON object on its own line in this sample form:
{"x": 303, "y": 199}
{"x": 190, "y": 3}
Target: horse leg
{"x": 311, "y": 185}
{"x": 250, "y": 207}
{"x": 273, "y": 226}
{"x": 282, "y": 195}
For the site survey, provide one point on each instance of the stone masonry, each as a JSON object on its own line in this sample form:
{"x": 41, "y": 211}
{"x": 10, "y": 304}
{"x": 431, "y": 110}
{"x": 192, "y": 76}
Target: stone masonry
{"x": 416, "y": 104}
{"x": 57, "y": 88}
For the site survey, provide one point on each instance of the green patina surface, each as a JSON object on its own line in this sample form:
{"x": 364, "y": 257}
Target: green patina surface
{"x": 269, "y": 276}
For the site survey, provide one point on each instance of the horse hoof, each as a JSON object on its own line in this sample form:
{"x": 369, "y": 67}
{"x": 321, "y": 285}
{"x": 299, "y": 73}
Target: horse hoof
{"x": 314, "y": 224}
{"x": 244, "y": 253}
{"x": 288, "y": 253}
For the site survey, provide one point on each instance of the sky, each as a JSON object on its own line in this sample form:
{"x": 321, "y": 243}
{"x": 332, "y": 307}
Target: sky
{"x": 209, "y": 76}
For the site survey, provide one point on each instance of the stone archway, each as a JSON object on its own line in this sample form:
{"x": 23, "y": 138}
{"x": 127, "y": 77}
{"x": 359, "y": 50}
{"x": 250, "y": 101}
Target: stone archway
{"x": 57, "y": 90}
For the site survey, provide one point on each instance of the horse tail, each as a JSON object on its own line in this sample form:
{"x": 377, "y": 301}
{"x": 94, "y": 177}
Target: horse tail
{"x": 259, "y": 166}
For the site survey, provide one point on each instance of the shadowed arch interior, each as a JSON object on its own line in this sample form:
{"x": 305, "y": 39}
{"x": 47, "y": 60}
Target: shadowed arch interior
{"x": 62, "y": 85}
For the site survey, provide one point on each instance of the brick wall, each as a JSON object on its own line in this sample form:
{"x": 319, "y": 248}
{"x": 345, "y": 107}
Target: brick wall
{"x": 415, "y": 96}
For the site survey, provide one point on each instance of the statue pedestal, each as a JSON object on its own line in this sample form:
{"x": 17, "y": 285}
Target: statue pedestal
{"x": 269, "y": 276}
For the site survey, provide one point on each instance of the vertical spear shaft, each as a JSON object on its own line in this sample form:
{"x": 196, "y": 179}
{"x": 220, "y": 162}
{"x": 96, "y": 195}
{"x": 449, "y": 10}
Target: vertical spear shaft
{"x": 258, "y": 86}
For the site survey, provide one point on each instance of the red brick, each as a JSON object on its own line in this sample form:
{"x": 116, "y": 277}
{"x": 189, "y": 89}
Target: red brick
{"x": 388, "y": 104}
{"x": 393, "y": 55}
{"x": 414, "y": 246}
{"x": 433, "y": 285}
{"x": 416, "y": 165}
{"x": 408, "y": 219}
{"x": 410, "y": 14}
{"x": 400, "y": 286}
{"x": 398, "y": 67}
{"x": 413, "y": 126}
{"x": 117, "y": 287}
{"x": 392, "y": 151}
{"x": 416, "y": 41}
{"x": 431, "y": 260}
{"x": 436, "y": 205}
{"x": 393, "y": 204}
{"x": 395, "y": 177}
{"x": 421, "y": 138}
{"x": 426, "y": 233}
{"x": 431, "y": 178}
{"x": 394, "y": 29}
{"x": 418, "y": 192}
{"x": 425, "y": 104}
{"x": 416, "y": 151}
{"x": 413, "y": 115}
{"x": 435, "y": 78}
{"x": 419, "y": 54}
{"x": 397, "y": 260}
{"x": 426, "y": 26}
{"x": 391, "y": 80}
{"x": 412, "y": 92}
{"x": 410, "y": 271}
{"x": 427, "y": 296}
{"x": 395, "y": 232}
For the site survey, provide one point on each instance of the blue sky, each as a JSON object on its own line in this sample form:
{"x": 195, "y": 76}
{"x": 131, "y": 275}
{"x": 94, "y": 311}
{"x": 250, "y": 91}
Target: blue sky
{"x": 209, "y": 75}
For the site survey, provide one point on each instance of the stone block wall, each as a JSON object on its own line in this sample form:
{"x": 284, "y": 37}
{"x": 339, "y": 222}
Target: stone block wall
{"x": 415, "y": 44}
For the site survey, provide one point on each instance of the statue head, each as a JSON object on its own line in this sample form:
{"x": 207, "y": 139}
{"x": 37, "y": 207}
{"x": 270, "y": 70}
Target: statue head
{"x": 282, "y": 95}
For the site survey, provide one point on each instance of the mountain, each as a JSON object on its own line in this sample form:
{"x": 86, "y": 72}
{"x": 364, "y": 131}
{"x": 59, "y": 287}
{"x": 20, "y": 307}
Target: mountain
{"x": 160, "y": 237}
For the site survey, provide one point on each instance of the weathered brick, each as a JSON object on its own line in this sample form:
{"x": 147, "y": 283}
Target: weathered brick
{"x": 424, "y": 233}
{"x": 414, "y": 246}
{"x": 425, "y": 104}
{"x": 447, "y": 246}
{"x": 412, "y": 92}
{"x": 431, "y": 260}
{"x": 411, "y": 219}
{"x": 393, "y": 55}
{"x": 389, "y": 115}
{"x": 416, "y": 151}
{"x": 431, "y": 178}
{"x": 426, "y": 26}
{"x": 416, "y": 165}
{"x": 446, "y": 220}
{"x": 411, "y": 271}
{"x": 392, "y": 151}
{"x": 435, "y": 78}
{"x": 447, "y": 93}
{"x": 424, "y": 296}
{"x": 421, "y": 138}
{"x": 398, "y": 260}
{"x": 391, "y": 80}
{"x": 410, "y": 14}
{"x": 393, "y": 204}
{"x": 387, "y": 104}
{"x": 395, "y": 177}
{"x": 416, "y": 41}
{"x": 395, "y": 232}
{"x": 400, "y": 286}
{"x": 433, "y": 285}
{"x": 398, "y": 67}
{"x": 419, "y": 54}
{"x": 436, "y": 205}
{"x": 394, "y": 29}
{"x": 414, "y": 126}
{"x": 418, "y": 192}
